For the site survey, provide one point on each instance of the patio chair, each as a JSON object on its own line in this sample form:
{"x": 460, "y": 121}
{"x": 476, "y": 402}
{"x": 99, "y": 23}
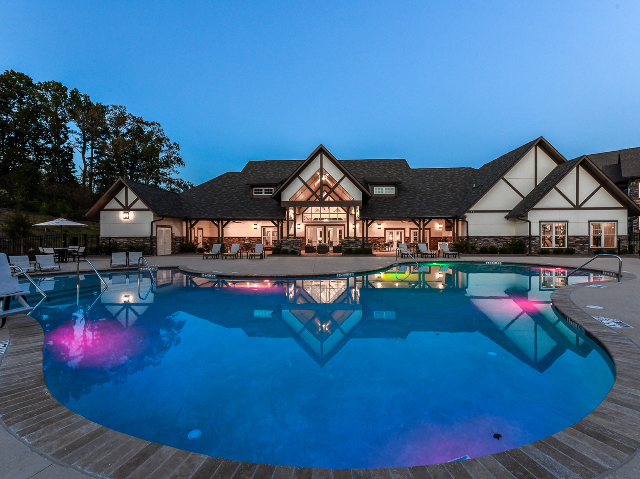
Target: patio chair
{"x": 402, "y": 250}
{"x": 258, "y": 252}
{"x": 446, "y": 252}
{"x": 10, "y": 288}
{"x": 234, "y": 252}
{"x": 214, "y": 253}
{"x": 118, "y": 259}
{"x": 424, "y": 251}
{"x": 77, "y": 253}
{"x": 134, "y": 256}
{"x": 41, "y": 250}
{"x": 23, "y": 262}
{"x": 46, "y": 262}
{"x": 48, "y": 251}
{"x": 323, "y": 248}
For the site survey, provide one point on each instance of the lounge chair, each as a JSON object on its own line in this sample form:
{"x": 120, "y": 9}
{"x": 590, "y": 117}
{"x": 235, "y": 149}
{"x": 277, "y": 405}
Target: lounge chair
{"x": 118, "y": 259}
{"x": 46, "y": 262}
{"x": 424, "y": 251}
{"x": 234, "y": 252}
{"x": 214, "y": 253}
{"x": 48, "y": 251}
{"x": 10, "y": 288}
{"x": 23, "y": 262}
{"x": 446, "y": 253}
{"x": 258, "y": 252}
{"x": 402, "y": 250}
{"x": 134, "y": 256}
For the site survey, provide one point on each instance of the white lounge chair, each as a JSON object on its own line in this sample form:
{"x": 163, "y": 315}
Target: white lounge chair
{"x": 10, "y": 288}
{"x": 402, "y": 250}
{"x": 134, "y": 256}
{"x": 214, "y": 253}
{"x": 235, "y": 251}
{"x": 46, "y": 262}
{"x": 424, "y": 251}
{"x": 22, "y": 262}
{"x": 118, "y": 259}
{"x": 258, "y": 252}
{"x": 446, "y": 253}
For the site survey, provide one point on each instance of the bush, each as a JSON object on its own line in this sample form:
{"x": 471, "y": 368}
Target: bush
{"x": 132, "y": 246}
{"x": 558, "y": 251}
{"x": 599, "y": 251}
{"x": 359, "y": 250}
{"x": 200, "y": 250}
{"x": 493, "y": 249}
{"x": 188, "y": 247}
{"x": 348, "y": 251}
{"x": 17, "y": 225}
{"x": 368, "y": 251}
{"x": 284, "y": 251}
{"x": 571, "y": 251}
{"x": 517, "y": 247}
{"x": 276, "y": 250}
{"x": 464, "y": 246}
{"x": 632, "y": 248}
{"x": 293, "y": 252}
{"x": 503, "y": 250}
{"x": 484, "y": 250}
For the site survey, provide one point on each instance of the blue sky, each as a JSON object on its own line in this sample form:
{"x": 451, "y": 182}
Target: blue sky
{"x": 440, "y": 83}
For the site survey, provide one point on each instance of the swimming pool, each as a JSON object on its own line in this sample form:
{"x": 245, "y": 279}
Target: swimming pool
{"x": 414, "y": 365}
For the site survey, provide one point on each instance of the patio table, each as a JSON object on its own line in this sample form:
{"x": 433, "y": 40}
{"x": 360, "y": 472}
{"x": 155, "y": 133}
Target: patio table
{"x": 62, "y": 254}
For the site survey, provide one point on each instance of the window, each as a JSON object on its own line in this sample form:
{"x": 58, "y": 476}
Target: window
{"x": 262, "y": 191}
{"x": 384, "y": 190}
{"x": 603, "y": 235}
{"x": 553, "y": 235}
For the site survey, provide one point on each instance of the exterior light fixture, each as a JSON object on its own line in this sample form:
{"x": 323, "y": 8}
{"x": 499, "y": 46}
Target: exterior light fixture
{"x": 125, "y": 215}
{"x": 126, "y": 298}
{"x": 298, "y": 226}
{"x": 255, "y": 226}
{"x": 379, "y": 226}
{"x": 439, "y": 226}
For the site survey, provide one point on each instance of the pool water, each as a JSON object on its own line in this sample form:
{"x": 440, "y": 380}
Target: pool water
{"x": 403, "y": 367}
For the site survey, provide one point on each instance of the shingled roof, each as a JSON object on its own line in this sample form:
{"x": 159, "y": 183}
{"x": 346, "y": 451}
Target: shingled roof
{"x": 162, "y": 202}
{"x": 618, "y": 165}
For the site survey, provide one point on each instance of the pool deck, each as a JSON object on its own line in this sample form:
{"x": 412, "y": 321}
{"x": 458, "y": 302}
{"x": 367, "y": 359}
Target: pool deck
{"x": 40, "y": 438}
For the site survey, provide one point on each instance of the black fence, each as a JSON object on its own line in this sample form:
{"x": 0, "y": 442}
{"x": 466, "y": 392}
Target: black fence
{"x": 30, "y": 244}
{"x": 634, "y": 242}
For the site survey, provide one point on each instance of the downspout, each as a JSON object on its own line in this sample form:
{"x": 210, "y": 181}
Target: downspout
{"x": 528, "y": 221}
{"x": 151, "y": 235}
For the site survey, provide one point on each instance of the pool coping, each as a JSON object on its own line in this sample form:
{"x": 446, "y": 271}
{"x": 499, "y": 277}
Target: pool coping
{"x": 596, "y": 445}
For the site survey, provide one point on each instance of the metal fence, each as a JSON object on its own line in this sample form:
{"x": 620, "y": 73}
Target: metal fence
{"x": 30, "y": 244}
{"x": 634, "y": 242}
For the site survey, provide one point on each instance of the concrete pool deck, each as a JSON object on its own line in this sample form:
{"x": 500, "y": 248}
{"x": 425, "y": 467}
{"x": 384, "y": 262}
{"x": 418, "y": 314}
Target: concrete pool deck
{"x": 42, "y": 439}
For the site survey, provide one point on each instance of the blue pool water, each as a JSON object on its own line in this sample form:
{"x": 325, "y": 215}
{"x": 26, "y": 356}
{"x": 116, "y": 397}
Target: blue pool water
{"x": 398, "y": 368}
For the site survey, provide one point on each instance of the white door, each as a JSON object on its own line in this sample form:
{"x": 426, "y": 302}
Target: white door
{"x": 269, "y": 235}
{"x": 200, "y": 235}
{"x": 164, "y": 241}
{"x": 395, "y": 237}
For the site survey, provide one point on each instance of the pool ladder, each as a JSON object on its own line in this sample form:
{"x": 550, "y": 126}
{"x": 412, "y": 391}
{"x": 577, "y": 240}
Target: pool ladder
{"x": 104, "y": 283}
{"x": 597, "y": 256}
{"x": 146, "y": 266}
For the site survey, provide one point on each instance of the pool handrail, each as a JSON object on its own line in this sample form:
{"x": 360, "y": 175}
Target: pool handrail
{"x": 104, "y": 283}
{"x": 23, "y": 272}
{"x": 597, "y": 256}
{"x": 140, "y": 267}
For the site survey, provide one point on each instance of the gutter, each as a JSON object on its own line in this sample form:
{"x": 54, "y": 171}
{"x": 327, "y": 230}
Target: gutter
{"x": 151, "y": 234}
{"x": 528, "y": 221}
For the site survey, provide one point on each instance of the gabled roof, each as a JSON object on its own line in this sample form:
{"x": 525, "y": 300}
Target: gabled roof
{"x": 161, "y": 202}
{"x": 321, "y": 149}
{"x": 619, "y": 165}
{"x": 556, "y": 175}
{"x": 490, "y": 173}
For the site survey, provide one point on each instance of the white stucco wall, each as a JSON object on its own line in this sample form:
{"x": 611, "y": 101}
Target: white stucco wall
{"x": 490, "y": 224}
{"x": 577, "y": 220}
{"x": 138, "y": 224}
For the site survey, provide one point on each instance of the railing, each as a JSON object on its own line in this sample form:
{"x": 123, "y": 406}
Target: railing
{"x": 597, "y": 256}
{"x": 94, "y": 269}
{"x": 401, "y": 252}
{"x": 149, "y": 268}
{"x": 15, "y": 268}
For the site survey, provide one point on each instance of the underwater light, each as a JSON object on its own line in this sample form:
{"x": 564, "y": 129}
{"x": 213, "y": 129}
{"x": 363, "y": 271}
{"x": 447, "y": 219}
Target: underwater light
{"x": 195, "y": 434}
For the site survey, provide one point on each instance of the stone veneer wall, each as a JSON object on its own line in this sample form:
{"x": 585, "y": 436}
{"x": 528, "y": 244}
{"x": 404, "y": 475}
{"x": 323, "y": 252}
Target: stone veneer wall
{"x": 291, "y": 244}
{"x": 634, "y": 194}
{"x": 120, "y": 243}
{"x": 579, "y": 243}
{"x": 351, "y": 243}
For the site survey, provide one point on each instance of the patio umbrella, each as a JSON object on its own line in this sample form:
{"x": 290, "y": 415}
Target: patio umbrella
{"x": 60, "y": 222}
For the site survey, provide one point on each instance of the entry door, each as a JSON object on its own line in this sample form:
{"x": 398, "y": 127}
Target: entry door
{"x": 200, "y": 235}
{"x": 269, "y": 235}
{"x": 395, "y": 237}
{"x": 164, "y": 241}
{"x": 335, "y": 234}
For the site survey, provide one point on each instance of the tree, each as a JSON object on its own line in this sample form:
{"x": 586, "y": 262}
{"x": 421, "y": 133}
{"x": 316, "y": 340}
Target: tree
{"x": 17, "y": 225}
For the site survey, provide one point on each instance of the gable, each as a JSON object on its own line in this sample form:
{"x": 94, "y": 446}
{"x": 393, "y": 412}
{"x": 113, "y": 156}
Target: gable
{"x": 545, "y": 164}
{"x": 126, "y": 199}
{"x": 553, "y": 199}
{"x": 500, "y": 197}
{"x": 522, "y": 174}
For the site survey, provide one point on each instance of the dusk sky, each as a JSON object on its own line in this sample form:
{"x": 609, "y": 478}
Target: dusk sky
{"x": 440, "y": 83}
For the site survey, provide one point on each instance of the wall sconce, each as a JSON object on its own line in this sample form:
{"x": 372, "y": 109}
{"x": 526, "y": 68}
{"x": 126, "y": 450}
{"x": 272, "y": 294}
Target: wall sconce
{"x": 125, "y": 215}
{"x": 126, "y": 298}
{"x": 255, "y": 226}
{"x": 439, "y": 226}
{"x": 379, "y": 226}
{"x": 298, "y": 226}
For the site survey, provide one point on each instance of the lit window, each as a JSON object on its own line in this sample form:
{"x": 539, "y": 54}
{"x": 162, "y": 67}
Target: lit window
{"x": 553, "y": 235}
{"x": 262, "y": 191}
{"x": 603, "y": 235}
{"x": 384, "y": 190}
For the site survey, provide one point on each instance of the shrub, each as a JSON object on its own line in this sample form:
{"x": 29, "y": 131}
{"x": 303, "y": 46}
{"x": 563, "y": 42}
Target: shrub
{"x": 133, "y": 246}
{"x": 17, "y": 225}
{"x": 284, "y": 251}
{"x": 517, "y": 247}
{"x": 484, "y": 250}
{"x": 599, "y": 251}
{"x": 368, "y": 251}
{"x": 571, "y": 251}
{"x": 276, "y": 250}
{"x": 624, "y": 251}
{"x": 632, "y": 248}
{"x": 359, "y": 250}
{"x": 503, "y": 250}
{"x": 558, "y": 251}
{"x": 493, "y": 249}
{"x": 348, "y": 251}
{"x": 200, "y": 250}
{"x": 188, "y": 247}
{"x": 293, "y": 252}
{"x": 464, "y": 246}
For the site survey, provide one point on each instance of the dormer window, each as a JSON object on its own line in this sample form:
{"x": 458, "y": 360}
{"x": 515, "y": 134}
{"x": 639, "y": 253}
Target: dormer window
{"x": 262, "y": 191}
{"x": 384, "y": 190}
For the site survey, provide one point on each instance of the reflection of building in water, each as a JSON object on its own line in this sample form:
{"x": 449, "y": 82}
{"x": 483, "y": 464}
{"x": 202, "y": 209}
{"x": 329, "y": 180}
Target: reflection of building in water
{"x": 323, "y": 315}
{"x": 128, "y": 298}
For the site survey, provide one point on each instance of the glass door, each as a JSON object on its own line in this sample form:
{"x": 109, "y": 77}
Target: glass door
{"x": 394, "y": 237}
{"x": 269, "y": 235}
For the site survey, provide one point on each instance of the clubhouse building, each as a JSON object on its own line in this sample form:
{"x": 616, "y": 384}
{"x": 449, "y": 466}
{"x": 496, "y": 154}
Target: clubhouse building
{"x": 532, "y": 194}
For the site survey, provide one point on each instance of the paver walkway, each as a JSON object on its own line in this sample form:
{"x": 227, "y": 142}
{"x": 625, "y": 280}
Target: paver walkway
{"x": 588, "y": 449}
